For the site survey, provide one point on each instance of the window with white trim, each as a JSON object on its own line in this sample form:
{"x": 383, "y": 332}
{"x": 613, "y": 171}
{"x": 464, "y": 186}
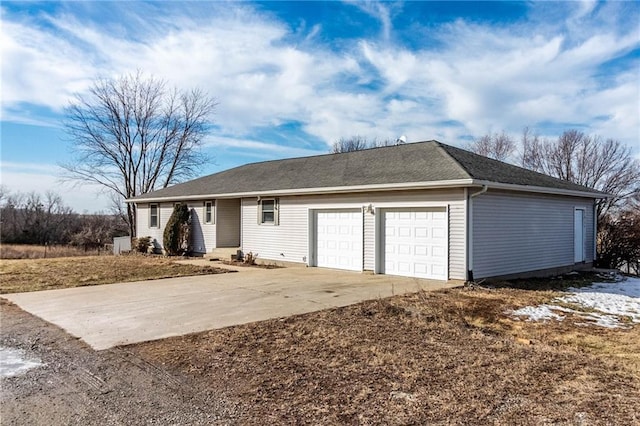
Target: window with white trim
{"x": 208, "y": 212}
{"x": 154, "y": 216}
{"x": 268, "y": 211}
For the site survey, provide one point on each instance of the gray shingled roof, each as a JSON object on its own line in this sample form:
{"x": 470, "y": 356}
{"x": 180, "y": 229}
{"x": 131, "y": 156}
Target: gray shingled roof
{"x": 429, "y": 161}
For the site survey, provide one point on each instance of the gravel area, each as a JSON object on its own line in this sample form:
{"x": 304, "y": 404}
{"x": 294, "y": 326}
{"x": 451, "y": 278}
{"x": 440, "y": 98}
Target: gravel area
{"x": 79, "y": 386}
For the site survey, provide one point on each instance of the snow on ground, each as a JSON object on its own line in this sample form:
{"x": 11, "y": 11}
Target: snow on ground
{"x": 14, "y": 362}
{"x": 611, "y": 305}
{"x": 538, "y": 313}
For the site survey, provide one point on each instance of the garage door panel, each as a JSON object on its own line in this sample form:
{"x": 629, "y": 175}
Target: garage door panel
{"x": 421, "y": 268}
{"x": 438, "y": 251}
{"x": 442, "y": 215}
{"x": 415, "y": 243}
{"x": 439, "y": 232}
{"x": 420, "y": 250}
{"x": 339, "y": 239}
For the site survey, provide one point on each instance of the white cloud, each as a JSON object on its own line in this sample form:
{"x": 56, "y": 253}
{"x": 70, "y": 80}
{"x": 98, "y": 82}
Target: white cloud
{"x": 265, "y": 73}
{"x": 267, "y": 149}
{"x": 38, "y": 68}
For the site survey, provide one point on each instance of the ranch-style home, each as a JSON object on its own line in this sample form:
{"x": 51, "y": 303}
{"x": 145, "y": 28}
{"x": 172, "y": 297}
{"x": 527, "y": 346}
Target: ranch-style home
{"x": 425, "y": 209}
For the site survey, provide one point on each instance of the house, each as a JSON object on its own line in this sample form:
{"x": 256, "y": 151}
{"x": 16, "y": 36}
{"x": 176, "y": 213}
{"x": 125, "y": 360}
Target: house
{"x": 422, "y": 209}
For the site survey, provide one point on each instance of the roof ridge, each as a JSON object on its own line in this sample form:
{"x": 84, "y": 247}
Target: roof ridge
{"x": 441, "y": 147}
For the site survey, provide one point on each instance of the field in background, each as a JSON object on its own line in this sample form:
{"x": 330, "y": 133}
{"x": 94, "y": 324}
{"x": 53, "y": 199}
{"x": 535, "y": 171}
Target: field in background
{"x": 30, "y": 251}
{"x": 23, "y": 275}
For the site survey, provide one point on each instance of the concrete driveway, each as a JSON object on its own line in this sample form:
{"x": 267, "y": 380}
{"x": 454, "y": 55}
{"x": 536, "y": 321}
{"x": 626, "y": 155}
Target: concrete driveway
{"x": 116, "y": 314}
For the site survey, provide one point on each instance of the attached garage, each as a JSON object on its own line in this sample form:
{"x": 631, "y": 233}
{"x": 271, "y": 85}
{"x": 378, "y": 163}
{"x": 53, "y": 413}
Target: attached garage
{"x": 424, "y": 210}
{"x": 338, "y": 239}
{"x": 414, "y": 242}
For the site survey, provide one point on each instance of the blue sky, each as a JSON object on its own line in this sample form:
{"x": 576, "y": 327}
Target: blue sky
{"x": 292, "y": 77}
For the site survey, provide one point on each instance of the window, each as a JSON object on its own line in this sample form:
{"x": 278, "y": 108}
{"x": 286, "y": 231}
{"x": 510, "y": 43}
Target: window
{"x": 268, "y": 212}
{"x": 154, "y": 216}
{"x": 208, "y": 212}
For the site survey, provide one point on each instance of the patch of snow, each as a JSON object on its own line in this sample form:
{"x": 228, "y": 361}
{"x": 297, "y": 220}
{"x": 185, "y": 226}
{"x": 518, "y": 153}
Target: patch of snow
{"x": 537, "y": 313}
{"x": 602, "y": 320}
{"x": 14, "y": 362}
{"x": 610, "y": 301}
{"x": 629, "y": 287}
{"x": 605, "y": 303}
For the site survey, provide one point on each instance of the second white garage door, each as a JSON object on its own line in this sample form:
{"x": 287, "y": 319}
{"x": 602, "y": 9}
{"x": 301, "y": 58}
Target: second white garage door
{"x": 339, "y": 239}
{"x": 415, "y": 243}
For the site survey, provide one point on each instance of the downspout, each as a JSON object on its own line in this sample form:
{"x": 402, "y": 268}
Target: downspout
{"x": 595, "y": 233}
{"x": 470, "y": 231}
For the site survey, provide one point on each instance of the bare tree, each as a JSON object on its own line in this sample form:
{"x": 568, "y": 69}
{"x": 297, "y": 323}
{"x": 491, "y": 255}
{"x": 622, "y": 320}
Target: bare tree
{"x": 34, "y": 219}
{"x": 498, "y": 146}
{"x": 132, "y": 135}
{"x": 619, "y": 240}
{"x": 605, "y": 165}
{"x": 354, "y": 143}
{"x": 358, "y": 143}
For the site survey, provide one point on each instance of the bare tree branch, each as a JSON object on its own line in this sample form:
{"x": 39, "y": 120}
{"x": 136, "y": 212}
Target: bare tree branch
{"x": 358, "y": 143}
{"x": 132, "y": 135}
{"x": 605, "y": 165}
{"x": 498, "y": 146}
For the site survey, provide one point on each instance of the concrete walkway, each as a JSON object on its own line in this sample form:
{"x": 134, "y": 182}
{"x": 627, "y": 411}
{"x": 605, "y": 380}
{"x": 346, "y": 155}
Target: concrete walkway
{"x": 116, "y": 314}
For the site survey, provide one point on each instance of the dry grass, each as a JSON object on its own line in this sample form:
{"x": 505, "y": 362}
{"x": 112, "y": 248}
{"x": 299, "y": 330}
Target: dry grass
{"x": 451, "y": 357}
{"x": 30, "y": 251}
{"x": 46, "y": 274}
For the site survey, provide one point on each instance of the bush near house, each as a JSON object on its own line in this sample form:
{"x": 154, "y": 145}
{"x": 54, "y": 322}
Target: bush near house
{"x": 177, "y": 234}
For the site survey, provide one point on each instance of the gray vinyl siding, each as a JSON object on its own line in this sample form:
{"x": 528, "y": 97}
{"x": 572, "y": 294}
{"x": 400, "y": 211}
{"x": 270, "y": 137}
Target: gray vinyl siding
{"x": 516, "y": 232}
{"x": 369, "y": 237}
{"x": 286, "y": 241}
{"x": 228, "y": 223}
{"x": 203, "y": 238}
{"x": 208, "y": 229}
{"x": 142, "y": 222}
{"x": 197, "y": 227}
{"x": 289, "y": 241}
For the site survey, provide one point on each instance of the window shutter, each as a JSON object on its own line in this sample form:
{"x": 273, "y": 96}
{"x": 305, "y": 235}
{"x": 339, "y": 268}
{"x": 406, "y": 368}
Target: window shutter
{"x": 276, "y": 211}
{"x": 259, "y": 212}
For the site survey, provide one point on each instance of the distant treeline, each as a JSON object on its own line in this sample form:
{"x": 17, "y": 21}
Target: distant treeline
{"x": 32, "y": 218}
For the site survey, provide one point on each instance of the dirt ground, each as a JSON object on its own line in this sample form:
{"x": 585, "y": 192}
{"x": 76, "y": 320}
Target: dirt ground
{"x": 79, "y": 386}
{"x": 450, "y": 357}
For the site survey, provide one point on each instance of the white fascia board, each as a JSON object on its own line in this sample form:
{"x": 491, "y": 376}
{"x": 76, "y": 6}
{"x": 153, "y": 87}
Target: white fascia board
{"x": 314, "y": 191}
{"x": 540, "y": 189}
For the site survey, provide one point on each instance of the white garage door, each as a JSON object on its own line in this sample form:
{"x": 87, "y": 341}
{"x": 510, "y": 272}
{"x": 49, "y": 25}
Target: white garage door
{"x": 415, "y": 243}
{"x": 339, "y": 239}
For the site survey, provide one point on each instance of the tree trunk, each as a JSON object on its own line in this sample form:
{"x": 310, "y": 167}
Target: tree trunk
{"x": 131, "y": 216}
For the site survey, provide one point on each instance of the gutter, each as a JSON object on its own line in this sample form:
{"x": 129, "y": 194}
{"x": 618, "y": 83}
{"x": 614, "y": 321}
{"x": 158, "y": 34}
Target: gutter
{"x": 541, "y": 189}
{"x": 456, "y": 183}
{"x": 459, "y": 183}
{"x": 469, "y": 202}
